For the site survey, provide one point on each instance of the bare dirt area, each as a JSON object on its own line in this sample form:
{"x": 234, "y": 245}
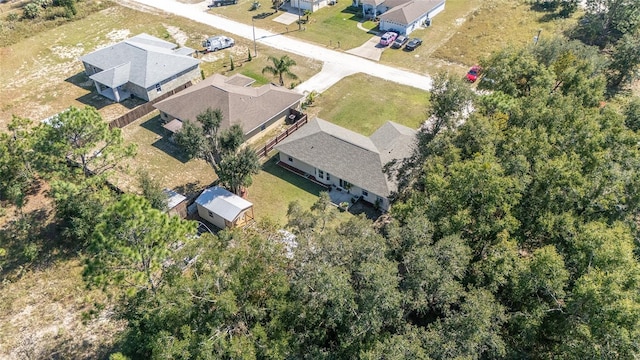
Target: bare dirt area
{"x": 49, "y": 314}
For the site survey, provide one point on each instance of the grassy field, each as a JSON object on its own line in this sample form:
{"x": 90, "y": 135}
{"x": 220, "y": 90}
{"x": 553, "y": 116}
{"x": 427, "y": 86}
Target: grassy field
{"x": 327, "y": 26}
{"x": 41, "y": 81}
{"x": 344, "y": 102}
{"x": 483, "y": 33}
{"x": 162, "y": 159}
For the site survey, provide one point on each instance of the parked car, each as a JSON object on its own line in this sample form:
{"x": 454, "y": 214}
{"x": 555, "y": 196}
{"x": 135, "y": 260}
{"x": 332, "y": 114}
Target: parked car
{"x": 400, "y": 40}
{"x": 388, "y": 38}
{"x": 216, "y": 3}
{"x": 473, "y": 73}
{"x": 413, "y": 43}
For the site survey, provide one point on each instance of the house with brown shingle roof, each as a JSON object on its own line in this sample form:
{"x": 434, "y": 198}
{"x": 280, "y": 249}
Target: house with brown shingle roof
{"x": 402, "y": 16}
{"x": 340, "y": 158}
{"x": 253, "y": 108}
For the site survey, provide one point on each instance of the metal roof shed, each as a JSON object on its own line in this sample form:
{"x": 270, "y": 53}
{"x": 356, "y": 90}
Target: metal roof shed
{"x": 224, "y": 209}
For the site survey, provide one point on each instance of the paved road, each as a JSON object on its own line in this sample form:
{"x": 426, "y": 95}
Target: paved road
{"x": 336, "y": 64}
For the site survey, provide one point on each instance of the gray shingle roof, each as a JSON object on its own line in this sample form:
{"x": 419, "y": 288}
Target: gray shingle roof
{"x": 410, "y": 11}
{"x": 349, "y": 155}
{"x": 246, "y": 106}
{"x": 150, "y": 60}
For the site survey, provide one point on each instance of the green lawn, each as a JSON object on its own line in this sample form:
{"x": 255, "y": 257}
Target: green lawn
{"x": 363, "y": 103}
{"x": 327, "y": 26}
{"x": 162, "y": 159}
{"x": 274, "y": 188}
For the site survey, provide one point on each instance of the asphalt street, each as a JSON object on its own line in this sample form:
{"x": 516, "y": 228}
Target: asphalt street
{"x": 336, "y": 64}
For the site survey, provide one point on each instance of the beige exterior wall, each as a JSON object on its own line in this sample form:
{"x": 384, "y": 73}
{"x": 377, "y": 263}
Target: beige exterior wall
{"x": 213, "y": 218}
{"x": 170, "y": 84}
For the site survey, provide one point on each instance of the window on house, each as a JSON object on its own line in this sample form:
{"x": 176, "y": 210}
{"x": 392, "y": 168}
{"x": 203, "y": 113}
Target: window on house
{"x": 263, "y": 126}
{"x": 210, "y": 214}
{"x": 365, "y": 193}
{"x": 328, "y": 176}
{"x": 320, "y": 174}
{"x": 158, "y": 88}
{"x": 290, "y": 159}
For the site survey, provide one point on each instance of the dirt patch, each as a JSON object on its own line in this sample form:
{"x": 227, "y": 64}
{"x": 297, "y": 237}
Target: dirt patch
{"x": 178, "y": 35}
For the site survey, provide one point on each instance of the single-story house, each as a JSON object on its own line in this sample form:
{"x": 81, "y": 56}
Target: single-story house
{"x": 223, "y": 208}
{"x": 341, "y": 158}
{"x": 143, "y": 66}
{"x": 402, "y": 16}
{"x": 253, "y": 108}
{"x": 311, "y": 5}
{"x": 176, "y": 203}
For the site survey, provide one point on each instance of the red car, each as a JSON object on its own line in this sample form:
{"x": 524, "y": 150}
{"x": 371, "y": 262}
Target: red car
{"x": 473, "y": 73}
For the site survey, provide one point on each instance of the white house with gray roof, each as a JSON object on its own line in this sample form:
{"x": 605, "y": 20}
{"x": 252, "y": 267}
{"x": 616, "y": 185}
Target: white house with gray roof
{"x": 402, "y": 16}
{"x": 341, "y": 158}
{"x": 143, "y": 66}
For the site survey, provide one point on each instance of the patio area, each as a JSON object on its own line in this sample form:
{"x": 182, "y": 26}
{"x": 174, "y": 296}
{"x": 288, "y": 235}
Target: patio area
{"x": 340, "y": 196}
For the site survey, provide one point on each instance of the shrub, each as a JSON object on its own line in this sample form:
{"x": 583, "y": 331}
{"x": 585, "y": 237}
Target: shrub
{"x": 31, "y": 11}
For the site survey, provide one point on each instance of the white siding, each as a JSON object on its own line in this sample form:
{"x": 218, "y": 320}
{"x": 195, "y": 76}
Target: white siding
{"x": 215, "y": 219}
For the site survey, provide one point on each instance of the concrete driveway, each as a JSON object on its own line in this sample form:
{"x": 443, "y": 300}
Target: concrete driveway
{"x": 340, "y": 63}
{"x": 369, "y": 50}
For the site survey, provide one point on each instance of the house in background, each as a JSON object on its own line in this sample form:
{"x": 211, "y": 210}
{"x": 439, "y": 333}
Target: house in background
{"x": 143, "y": 66}
{"x": 253, "y": 108}
{"x": 311, "y": 5}
{"x": 402, "y": 16}
{"x": 343, "y": 159}
{"x": 223, "y": 208}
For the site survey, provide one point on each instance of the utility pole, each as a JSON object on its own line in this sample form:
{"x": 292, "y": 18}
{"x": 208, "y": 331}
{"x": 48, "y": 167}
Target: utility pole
{"x": 299, "y": 19}
{"x": 255, "y": 47}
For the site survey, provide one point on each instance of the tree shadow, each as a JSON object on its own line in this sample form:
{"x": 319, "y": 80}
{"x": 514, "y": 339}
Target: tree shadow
{"x": 33, "y": 242}
{"x": 170, "y": 149}
{"x": 190, "y": 190}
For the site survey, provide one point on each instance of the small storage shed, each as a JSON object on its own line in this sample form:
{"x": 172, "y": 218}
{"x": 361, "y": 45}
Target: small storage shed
{"x": 224, "y": 209}
{"x": 176, "y": 203}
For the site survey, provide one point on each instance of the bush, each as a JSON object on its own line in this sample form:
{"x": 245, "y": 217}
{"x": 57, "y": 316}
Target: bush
{"x": 31, "y": 11}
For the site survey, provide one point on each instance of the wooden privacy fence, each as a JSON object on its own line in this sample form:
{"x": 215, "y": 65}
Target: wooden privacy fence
{"x": 263, "y": 151}
{"x": 143, "y": 109}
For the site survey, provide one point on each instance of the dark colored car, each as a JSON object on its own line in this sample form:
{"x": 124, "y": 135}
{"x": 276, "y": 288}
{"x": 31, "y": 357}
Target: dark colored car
{"x": 400, "y": 40}
{"x": 216, "y": 3}
{"x": 413, "y": 43}
{"x": 473, "y": 73}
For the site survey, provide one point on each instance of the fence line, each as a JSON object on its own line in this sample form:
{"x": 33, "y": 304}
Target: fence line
{"x": 263, "y": 151}
{"x": 144, "y": 109}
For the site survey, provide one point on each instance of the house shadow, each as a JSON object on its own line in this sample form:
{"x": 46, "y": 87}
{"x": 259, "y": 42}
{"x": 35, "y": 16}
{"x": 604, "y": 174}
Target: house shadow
{"x": 92, "y": 98}
{"x": 155, "y": 125}
{"x": 271, "y": 167}
{"x": 363, "y": 207}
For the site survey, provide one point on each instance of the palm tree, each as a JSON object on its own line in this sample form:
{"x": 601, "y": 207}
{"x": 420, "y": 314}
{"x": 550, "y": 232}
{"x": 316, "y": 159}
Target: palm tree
{"x": 280, "y": 67}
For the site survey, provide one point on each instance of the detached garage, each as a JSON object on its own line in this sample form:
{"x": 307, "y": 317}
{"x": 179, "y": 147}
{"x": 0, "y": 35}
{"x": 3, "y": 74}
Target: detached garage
{"x": 224, "y": 209}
